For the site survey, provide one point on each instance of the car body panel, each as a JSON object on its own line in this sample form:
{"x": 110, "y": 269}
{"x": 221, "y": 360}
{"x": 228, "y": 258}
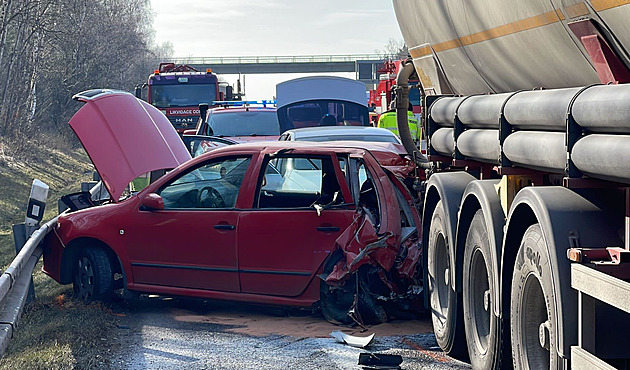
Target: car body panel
{"x": 109, "y": 126}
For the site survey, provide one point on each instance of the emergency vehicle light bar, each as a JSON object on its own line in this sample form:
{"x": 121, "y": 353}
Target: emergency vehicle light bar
{"x": 239, "y": 103}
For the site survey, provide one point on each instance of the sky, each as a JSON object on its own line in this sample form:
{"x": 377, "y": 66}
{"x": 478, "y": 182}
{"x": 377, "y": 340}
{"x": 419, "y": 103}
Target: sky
{"x": 213, "y": 28}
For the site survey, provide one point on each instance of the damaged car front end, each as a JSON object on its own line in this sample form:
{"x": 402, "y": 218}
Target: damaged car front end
{"x": 375, "y": 270}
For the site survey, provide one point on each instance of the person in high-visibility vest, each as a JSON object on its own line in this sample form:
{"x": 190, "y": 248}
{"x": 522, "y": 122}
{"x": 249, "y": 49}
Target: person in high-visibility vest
{"x": 387, "y": 120}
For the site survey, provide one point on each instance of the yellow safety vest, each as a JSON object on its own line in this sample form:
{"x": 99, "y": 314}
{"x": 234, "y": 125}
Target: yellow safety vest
{"x": 387, "y": 120}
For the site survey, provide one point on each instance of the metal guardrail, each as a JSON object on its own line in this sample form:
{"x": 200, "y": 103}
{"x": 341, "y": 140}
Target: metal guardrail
{"x": 16, "y": 281}
{"x": 278, "y": 59}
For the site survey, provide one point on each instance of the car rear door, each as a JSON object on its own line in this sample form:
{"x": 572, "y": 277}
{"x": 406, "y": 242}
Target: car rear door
{"x": 283, "y": 239}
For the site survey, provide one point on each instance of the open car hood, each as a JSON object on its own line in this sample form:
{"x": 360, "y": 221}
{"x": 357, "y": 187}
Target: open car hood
{"x": 125, "y": 137}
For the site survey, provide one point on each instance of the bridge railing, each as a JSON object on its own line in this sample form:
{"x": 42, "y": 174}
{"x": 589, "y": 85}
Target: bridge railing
{"x": 278, "y": 59}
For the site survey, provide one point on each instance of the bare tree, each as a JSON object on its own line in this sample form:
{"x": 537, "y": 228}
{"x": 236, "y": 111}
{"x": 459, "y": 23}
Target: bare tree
{"x": 52, "y": 49}
{"x": 394, "y": 50}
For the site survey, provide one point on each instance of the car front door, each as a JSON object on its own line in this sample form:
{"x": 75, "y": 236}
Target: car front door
{"x": 191, "y": 243}
{"x": 284, "y": 239}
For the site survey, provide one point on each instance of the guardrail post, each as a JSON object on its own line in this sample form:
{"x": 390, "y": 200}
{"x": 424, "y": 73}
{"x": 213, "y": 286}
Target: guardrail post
{"x": 34, "y": 214}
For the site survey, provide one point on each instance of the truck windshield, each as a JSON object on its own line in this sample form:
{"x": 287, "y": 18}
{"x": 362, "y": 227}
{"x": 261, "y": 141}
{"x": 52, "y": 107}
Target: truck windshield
{"x": 244, "y": 123}
{"x": 182, "y": 95}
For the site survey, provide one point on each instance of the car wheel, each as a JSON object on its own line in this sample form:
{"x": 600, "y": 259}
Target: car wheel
{"x": 93, "y": 275}
{"x": 335, "y": 301}
{"x": 446, "y": 310}
{"x": 533, "y": 313}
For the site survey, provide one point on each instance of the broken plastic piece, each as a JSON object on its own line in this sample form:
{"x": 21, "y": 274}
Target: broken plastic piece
{"x": 351, "y": 340}
{"x": 379, "y": 361}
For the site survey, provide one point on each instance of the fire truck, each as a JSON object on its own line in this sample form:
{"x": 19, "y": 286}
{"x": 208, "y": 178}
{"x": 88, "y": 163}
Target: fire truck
{"x": 177, "y": 90}
{"x": 383, "y": 94}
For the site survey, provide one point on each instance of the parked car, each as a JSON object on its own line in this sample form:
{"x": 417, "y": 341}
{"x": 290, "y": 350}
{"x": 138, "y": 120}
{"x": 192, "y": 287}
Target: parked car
{"x": 336, "y": 133}
{"x": 241, "y": 122}
{"x": 287, "y": 223}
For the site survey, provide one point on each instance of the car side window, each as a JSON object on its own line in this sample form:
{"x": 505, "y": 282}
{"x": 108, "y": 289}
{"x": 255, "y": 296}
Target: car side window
{"x": 214, "y": 184}
{"x": 298, "y": 182}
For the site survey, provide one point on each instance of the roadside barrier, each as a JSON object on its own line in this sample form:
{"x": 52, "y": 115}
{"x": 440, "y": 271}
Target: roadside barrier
{"x": 16, "y": 280}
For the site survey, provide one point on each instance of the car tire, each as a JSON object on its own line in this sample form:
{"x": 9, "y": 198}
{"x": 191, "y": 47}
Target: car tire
{"x": 484, "y": 330}
{"x": 335, "y": 301}
{"x": 533, "y": 312}
{"x": 446, "y": 310}
{"x": 93, "y": 277}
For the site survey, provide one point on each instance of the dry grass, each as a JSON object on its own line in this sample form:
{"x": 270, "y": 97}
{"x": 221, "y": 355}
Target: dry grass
{"x": 55, "y": 332}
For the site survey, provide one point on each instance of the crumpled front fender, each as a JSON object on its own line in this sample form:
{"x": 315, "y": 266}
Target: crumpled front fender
{"x": 362, "y": 245}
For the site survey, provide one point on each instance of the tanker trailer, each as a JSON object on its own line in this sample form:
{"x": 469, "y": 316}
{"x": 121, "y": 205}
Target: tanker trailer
{"x": 526, "y": 218}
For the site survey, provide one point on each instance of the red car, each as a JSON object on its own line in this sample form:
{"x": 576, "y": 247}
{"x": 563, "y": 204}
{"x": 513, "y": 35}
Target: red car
{"x": 287, "y": 223}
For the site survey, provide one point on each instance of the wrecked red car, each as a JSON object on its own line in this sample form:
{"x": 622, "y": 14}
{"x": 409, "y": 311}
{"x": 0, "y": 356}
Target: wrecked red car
{"x": 288, "y": 223}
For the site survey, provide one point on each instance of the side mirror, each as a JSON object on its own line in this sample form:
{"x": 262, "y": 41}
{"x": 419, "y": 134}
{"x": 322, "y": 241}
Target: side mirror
{"x": 152, "y": 202}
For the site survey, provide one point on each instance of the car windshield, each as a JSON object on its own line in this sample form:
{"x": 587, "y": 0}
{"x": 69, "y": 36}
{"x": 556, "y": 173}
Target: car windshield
{"x": 244, "y": 123}
{"x": 376, "y": 138}
{"x": 182, "y": 95}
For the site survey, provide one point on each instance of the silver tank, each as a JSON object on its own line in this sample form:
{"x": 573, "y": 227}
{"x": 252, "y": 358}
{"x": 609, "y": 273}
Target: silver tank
{"x": 493, "y": 46}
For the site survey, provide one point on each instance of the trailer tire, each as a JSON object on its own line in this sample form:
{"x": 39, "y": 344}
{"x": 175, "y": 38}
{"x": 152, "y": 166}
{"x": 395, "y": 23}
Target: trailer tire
{"x": 446, "y": 311}
{"x": 533, "y": 312}
{"x": 484, "y": 330}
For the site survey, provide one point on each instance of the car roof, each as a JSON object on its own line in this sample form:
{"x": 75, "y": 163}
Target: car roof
{"x": 310, "y": 146}
{"x": 338, "y": 130}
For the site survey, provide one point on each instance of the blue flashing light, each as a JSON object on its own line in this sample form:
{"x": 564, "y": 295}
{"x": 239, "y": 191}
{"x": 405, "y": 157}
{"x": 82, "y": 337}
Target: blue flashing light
{"x": 242, "y": 103}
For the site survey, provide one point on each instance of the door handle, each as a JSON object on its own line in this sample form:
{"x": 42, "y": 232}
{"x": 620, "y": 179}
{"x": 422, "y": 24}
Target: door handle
{"x": 224, "y": 227}
{"x": 327, "y": 228}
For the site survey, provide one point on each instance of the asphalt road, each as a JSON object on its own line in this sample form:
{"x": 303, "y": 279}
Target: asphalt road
{"x": 164, "y": 333}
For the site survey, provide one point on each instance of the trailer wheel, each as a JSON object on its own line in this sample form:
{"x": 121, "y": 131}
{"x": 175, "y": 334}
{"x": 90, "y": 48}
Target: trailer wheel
{"x": 93, "y": 277}
{"x": 484, "y": 330}
{"x": 533, "y": 313}
{"x": 446, "y": 312}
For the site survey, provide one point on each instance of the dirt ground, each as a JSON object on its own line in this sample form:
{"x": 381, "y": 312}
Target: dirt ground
{"x": 260, "y": 321}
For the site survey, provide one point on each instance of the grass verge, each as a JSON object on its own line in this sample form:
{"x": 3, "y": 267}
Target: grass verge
{"x": 55, "y": 331}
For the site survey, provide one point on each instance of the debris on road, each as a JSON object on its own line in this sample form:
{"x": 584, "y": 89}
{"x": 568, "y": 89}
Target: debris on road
{"x": 379, "y": 361}
{"x": 351, "y": 340}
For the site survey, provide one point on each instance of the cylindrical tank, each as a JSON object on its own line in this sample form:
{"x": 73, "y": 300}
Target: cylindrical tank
{"x": 604, "y": 109}
{"x": 470, "y": 47}
{"x": 443, "y": 110}
{"x": 544, "y": 110}
{"x": 603, "y": 157}
{"x": 442, "y": 141}
{"x": 481, "y": 145}
{"x": 482, "y": 111}
{"x": 538, "y": 150}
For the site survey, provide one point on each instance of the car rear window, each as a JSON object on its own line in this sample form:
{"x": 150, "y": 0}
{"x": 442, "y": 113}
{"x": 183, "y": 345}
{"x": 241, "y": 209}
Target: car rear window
{"x": 244, "y": 123}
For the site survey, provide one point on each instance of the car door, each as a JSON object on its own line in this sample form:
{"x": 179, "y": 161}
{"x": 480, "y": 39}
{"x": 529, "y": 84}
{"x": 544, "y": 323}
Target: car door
{"x": 283, "y": 239}
{"x": 191, "y": 243}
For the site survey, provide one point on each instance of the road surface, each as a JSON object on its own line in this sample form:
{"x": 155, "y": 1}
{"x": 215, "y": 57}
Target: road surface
{"x": 164, "y": 333}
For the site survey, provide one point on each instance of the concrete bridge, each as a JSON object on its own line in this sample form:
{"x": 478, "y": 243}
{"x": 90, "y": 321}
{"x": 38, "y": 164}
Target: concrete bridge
{"x": 364, "y": 65}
